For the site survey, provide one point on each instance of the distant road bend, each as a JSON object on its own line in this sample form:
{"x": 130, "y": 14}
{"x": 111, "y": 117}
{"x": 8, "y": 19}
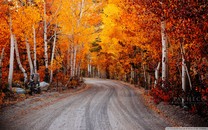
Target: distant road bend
{"x": 107, "y": 105}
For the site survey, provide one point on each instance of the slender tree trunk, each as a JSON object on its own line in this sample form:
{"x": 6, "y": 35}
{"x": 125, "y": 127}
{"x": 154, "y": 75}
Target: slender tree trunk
{"x": 45, "y": 45}
{"x": 19, "y": 62}
{"x": 183, "y": 79}
{"x": 157, "y": 74}
{"x": 93, "y": 71}
{"x": 34, "y": 50}
{"x": 185, "y": 66}
{"x": 132, "y": 73}
{"x": 185, "y": 74}
{"x": 164, "y": 53}
{"x": 145, "y": 77}
{"x": 81, "y": 12}
{"x": 148, "y": 80}
{"x": 78, "y": 68}
{"x": 98, "y": 72}
{"x": 89, "y": 68}
{"x": 52, "y": 57}
{"x": 1, "y": 59}
{"x": 45, "y": 38}
{"x": 74, "y": 59}
{"x": 188, "y": 75}
{"x": 68, "y": 60}
{"x": 11, "y": 60}
{"x": 71, "y": 61}
{"x": 29, "y": 57}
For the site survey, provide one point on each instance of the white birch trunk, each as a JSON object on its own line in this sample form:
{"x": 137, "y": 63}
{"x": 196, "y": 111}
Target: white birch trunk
{"x": 186, "y": 69}
{"x": 29, "y": 57}
{"x": 183, "y": 79}
{"x": 185, "y": 74}
{"x": 74, "y": 59}
{"x": 34, "y": 50}
{"x": 81, "y": 9}
{"x": 52, "y": 57}
{"x": 45, "y": 38}
{"x": 188, "y": 75}
{"x": 89, "y": 68}
{"x": 164, "y": 53}
{"x": 81, "y": 12}
{"x": 157, "y": 74}
{"x": 68, "y": 60}
{"x": 71, "y": 61}
{"x": 11, "y": 60}
{"x": 19, "y": 62}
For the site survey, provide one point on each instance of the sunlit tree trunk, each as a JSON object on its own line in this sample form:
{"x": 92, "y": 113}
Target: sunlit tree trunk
{"x": 89, "y": 68}
{"x": 183, "y": 79}
{"x": 1, "y": 59}
{"x": 34, "y": 50}
{"x": 68, "y": 60}
{"x": 11, "y": 60}
{"x": 74, "y": 59}
{"x": 29, "y": 57}
{"x": 164, "y": 53}
{"x": 19, "y": 62}
{"x": 75, "y": 47}
{"x": 188, "y": 75}
{"x": 71, "y": 61}
{"x": 184, "y": 74}
{"x": 45, "y": 44}
{"x": 186, "y": 69}
{"x": 157, "y": 74}
{"x": 52, "y": 57}
{"x": 81, "y": 11}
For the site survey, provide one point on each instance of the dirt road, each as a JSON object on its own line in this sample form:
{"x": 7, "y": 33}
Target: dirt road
{"x": 107, "y": 105}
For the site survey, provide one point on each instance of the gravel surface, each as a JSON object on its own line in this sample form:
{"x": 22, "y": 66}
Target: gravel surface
{"x": 106, "y": 105}
{"x": 180, "y": 117}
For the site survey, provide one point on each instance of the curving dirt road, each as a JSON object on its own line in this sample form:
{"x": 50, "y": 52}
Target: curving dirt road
{"x": 107, "y": 105}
